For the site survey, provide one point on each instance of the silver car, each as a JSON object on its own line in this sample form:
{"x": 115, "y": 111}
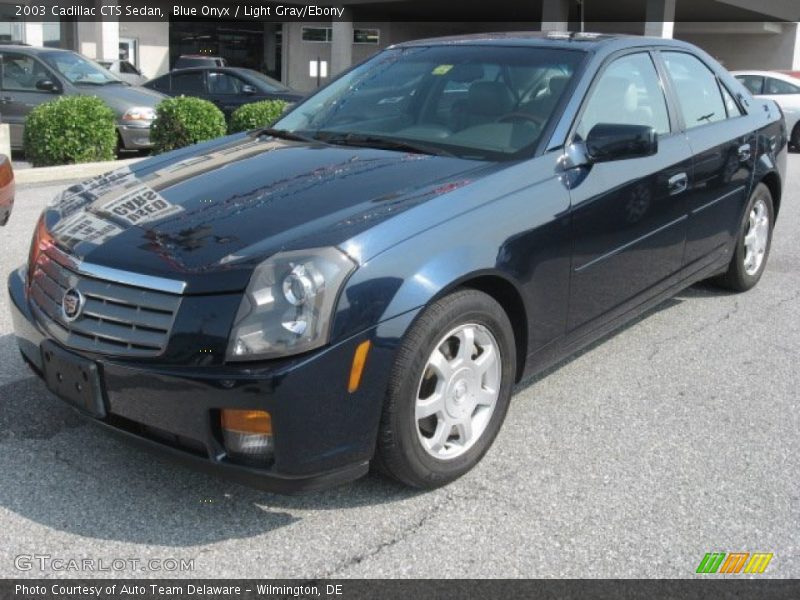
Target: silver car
{"x": 30, "y": 76}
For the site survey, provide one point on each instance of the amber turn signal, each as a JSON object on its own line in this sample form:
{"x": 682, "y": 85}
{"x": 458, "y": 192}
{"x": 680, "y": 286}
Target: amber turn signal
{"x": 359, "y": 360}
{"x": 247, "y": 421}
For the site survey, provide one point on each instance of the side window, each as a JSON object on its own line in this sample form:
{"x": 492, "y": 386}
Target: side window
{"x": 697, "y": 89}
{"x": 778, "y": 86}
{"x": 128, "y": 68}
{"x": 628, "y": 92}
{"x": 188, "y": 83}
{"x": 223, "y": 83}
{"x": 161, "y": 84}
{"x": 731, "y": 107}
{"x": 21, "y": 72}
{"x": 754, "y": 83}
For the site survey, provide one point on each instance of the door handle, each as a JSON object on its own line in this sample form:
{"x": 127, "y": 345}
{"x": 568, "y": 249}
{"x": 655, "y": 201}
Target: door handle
{"x": 6, "y": 99}
{"x": 678, "y": 183}
{"x": 744, "y": 152}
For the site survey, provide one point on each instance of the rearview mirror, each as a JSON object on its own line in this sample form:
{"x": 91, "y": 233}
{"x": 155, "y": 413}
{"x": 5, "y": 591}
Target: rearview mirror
{"x": 47, "y": 85}
{"x": 616, "y": 141}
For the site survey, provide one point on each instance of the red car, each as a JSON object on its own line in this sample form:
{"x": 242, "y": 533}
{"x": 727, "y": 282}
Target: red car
{"x": 6, "y": 188}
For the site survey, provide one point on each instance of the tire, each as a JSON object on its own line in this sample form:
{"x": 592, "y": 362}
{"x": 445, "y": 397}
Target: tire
{"x": 794, "y": 139}
{"x": 741, "y": 276}
{"x": 426, "y": 454}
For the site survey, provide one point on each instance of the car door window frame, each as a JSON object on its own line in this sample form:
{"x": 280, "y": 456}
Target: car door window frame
{"x": 50, "y": 75}
{"x": 597, "y": 77}
{"x": 240, "y": 80}
{"x": 674, "y": 94}
{"x": 203, "y": 92}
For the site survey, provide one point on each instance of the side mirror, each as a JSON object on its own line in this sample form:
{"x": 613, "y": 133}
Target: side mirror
{"x": 249, "y": 90}
{"x": 614, "y": 141}
{"x": 48, "y": 85}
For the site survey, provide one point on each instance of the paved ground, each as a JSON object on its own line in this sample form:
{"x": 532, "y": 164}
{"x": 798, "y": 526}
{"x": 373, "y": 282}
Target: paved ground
{"x": 676, "y": 437}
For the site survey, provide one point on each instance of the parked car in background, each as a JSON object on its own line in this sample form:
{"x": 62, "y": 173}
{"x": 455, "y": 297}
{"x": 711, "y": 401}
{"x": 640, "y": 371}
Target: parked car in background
{"x": 366, "y": 281}
{"x": 6, "y": 189}
{"x": 783, "y": 88}
{"x": 30, "y": 76}
{"x": 228, "y": 88}
{"x": 186, "y": 61}
{"x": 124, "y": 70}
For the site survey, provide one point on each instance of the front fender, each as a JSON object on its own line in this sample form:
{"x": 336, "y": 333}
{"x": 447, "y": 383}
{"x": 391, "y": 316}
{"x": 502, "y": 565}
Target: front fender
{"x": 521, "y": 237}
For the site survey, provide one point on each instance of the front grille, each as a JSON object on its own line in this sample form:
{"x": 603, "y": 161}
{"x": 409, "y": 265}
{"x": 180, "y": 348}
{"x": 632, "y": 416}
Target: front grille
{"x": 116, "y": 319}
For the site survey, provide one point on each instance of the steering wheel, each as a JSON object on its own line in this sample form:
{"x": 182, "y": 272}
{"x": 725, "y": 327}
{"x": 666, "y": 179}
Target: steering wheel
{"x": 524, "y": 116}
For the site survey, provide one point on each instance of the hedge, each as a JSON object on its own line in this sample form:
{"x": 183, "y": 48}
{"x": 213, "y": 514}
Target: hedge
{"x": 70, "y": 129}
{"x": 256, "y": 114}
{"x": 184, "y": 121}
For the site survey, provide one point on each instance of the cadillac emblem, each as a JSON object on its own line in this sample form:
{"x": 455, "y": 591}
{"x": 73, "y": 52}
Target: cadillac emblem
{"x": 72, "y": 304}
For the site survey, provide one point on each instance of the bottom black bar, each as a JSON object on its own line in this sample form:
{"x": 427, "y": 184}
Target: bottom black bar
{"x": 438, "y": 589}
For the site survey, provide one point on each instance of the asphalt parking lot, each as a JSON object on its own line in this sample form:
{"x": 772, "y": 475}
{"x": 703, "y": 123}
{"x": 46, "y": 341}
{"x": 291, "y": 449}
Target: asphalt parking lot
{"x": 674, "y": 437}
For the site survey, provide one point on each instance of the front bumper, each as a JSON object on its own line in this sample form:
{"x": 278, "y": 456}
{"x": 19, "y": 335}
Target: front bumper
{"x": 323, "y": 435}
{"x": 135, "y": 137}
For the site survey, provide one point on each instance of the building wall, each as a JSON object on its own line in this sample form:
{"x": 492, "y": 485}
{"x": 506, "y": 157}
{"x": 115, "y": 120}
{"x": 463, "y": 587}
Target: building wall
{"x": 153, "y": 41}
{"x": 750, "y": 50}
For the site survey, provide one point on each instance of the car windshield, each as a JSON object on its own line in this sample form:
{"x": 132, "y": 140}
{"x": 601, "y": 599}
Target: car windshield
{"x": 79, "y": 70}
{"x": 269, "y": 81}
{"x": 479, "y": 102}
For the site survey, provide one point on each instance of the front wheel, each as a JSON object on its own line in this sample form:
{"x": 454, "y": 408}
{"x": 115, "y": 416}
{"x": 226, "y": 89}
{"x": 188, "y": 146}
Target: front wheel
{"x": 752, "y": 244}
{"x": 449, "y": 390}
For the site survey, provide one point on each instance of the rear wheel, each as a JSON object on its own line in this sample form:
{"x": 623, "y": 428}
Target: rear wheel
{"x": 794, "y": 139}
{"x": 449, "y": 390}
{"x": 753, "y": 243}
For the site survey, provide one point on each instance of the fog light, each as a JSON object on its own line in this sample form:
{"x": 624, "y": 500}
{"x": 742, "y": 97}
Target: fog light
{"x": 247, "y": 434}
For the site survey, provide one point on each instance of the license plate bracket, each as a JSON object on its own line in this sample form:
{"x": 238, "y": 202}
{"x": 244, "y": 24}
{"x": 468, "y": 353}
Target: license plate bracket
{"x": 74, "y": 379}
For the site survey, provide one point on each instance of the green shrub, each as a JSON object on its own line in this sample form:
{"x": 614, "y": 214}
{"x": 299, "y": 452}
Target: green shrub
{"x": 184, "y": 121}
{"x": 257, "y": 114}
{"x": 70, "y": 129}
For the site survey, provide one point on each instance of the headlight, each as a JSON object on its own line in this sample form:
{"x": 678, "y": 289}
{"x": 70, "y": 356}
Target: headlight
{"x": 139, "y": 113}
{"x": 288, "y": 305}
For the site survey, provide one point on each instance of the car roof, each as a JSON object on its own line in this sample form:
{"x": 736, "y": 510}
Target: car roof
{"x": 575, "y": 40}
{"x": 774, "y": 74}
{"x": 34, "y": 49}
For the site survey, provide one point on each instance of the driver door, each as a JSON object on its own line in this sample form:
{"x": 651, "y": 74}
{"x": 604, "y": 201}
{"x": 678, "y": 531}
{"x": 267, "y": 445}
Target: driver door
{"x": 628, "y": 215}
{"x": 19, "y": 74}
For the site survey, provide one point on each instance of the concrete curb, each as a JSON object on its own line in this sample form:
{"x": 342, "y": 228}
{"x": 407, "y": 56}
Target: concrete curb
{"x": 68, "y": 172}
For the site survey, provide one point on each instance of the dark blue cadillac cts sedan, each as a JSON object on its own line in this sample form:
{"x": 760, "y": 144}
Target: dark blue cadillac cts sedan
{"x": 364, "y": 282}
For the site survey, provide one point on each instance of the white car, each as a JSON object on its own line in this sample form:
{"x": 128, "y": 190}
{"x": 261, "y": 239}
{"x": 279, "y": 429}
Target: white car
{"x": 782, "y": 88}
{"x": 125, "y": 71}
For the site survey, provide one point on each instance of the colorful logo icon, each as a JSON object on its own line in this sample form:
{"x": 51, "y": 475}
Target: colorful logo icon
{"x": 734, "y": 562}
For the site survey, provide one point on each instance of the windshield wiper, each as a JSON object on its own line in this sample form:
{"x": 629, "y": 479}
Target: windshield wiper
{"x": 384, "y": 143}
{"x": 284, "y": 134}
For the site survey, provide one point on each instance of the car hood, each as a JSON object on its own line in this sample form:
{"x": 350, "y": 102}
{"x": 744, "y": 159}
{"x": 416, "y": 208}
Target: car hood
{"x": 221, "y": 208}
{"x": 122, "y": 97}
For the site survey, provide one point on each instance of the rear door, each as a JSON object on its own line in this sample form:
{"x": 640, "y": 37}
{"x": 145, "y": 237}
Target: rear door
{"x": 628, "y": 216}
{"x": 19, "y": 74}
{"x": 189, "y": 83}
{"x": 723, "y": 144}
